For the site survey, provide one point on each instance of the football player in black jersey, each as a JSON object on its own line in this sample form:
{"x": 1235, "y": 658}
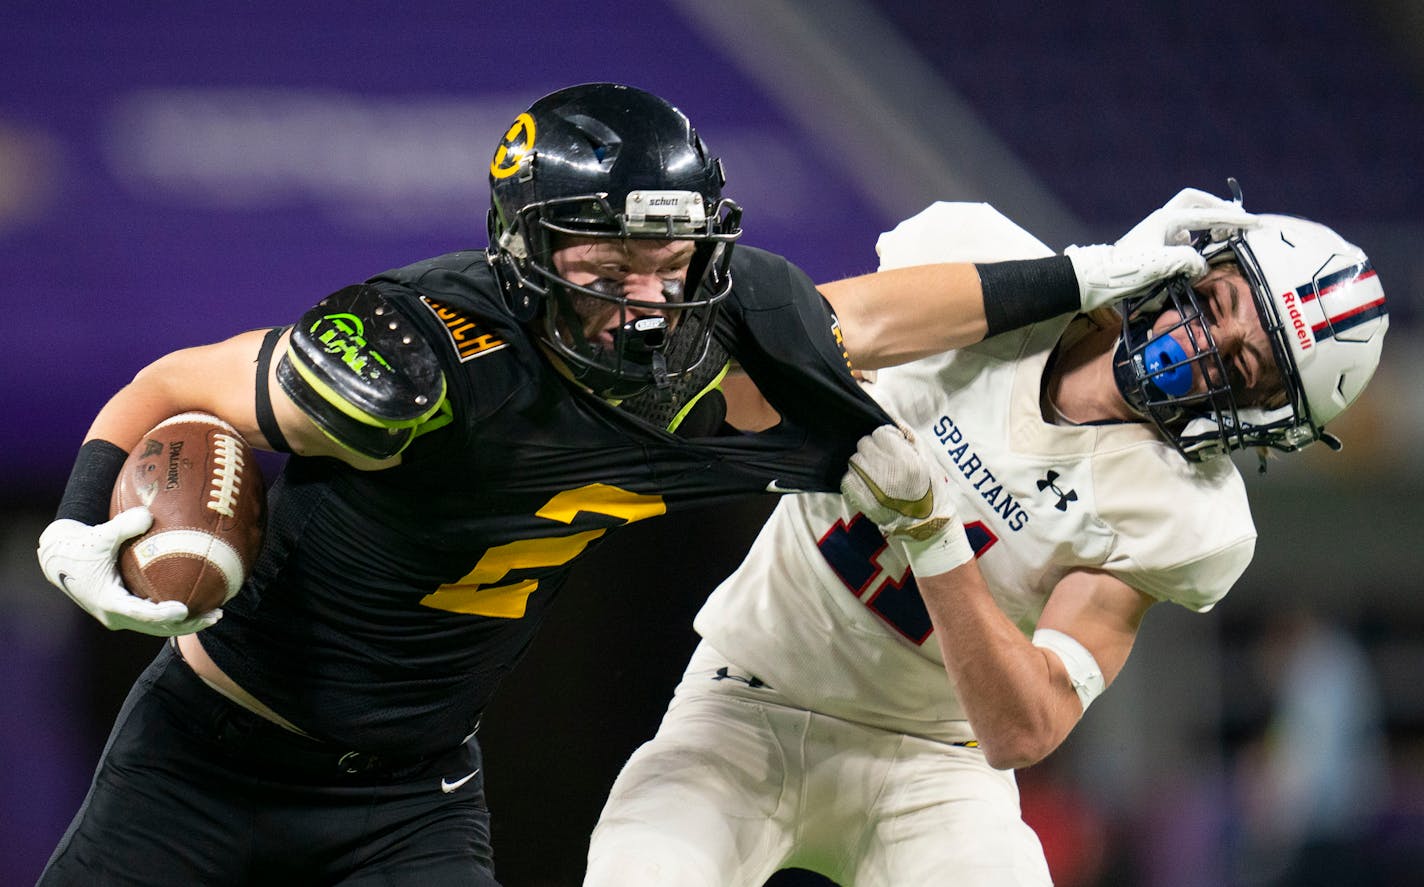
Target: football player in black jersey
{"x": 462, "y": 430}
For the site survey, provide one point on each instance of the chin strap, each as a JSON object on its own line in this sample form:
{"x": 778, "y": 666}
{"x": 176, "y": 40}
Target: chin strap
{"x": 643, "y": 340}
{"x": 691, "y": 403}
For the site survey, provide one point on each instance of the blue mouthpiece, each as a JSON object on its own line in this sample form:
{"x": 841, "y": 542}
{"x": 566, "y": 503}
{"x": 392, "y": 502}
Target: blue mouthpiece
{"x": 1163, "y": 351}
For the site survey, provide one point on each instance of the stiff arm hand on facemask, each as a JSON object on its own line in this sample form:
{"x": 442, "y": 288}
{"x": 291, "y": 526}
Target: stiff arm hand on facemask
{"x": 1189, "y": 211}
{"x": 905, "y": 492}
{"x": 1158, "y": 246}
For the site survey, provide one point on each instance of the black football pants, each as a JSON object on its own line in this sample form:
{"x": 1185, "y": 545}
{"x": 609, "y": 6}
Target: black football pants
{"x": 194, "y": 790}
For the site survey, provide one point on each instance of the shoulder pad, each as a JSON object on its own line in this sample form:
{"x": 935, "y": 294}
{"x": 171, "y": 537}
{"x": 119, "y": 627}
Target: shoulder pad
{"x": 362, "y": 372}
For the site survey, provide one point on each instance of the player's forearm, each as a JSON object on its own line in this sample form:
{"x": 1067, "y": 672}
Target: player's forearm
{"x": 1019, "y": 709}
{"x": 903, "y": 314}
{"x": 895, "y": 316}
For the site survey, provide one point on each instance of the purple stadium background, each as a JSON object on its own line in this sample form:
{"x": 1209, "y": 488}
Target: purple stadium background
{"x": 174, "y": 173}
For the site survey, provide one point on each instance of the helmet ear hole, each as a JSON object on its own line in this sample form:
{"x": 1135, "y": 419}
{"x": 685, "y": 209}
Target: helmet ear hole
{"x": 521, "y": 299}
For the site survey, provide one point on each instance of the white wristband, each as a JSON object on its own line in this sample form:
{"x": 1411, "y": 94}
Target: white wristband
{"x": 1083, "y": 669}
{"x": 942, "y": 552}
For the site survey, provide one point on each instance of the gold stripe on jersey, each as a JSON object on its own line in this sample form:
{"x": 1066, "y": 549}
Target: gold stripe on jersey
{"x": 476, "y": 593}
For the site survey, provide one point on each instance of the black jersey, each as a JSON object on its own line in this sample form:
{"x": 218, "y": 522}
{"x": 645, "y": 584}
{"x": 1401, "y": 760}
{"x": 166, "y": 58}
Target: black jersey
{"x": 386, "y": 606}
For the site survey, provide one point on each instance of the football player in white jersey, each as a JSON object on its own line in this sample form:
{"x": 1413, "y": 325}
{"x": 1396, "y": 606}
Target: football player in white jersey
{"x": 868, "y": 681}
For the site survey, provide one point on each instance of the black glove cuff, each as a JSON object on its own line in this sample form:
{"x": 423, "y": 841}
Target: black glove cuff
{"x": 91, "y": 483}
{"x": 1026, "y": 291}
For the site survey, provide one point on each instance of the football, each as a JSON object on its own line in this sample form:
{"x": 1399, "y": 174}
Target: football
{"x": 199, "y": 479}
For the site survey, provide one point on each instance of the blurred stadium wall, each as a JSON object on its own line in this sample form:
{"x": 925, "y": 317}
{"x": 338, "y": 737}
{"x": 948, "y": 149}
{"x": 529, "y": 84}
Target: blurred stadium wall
{"x": 173, "y": 173}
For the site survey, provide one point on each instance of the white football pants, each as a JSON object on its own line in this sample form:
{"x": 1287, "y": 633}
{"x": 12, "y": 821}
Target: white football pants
{"x": 737, "y": 785}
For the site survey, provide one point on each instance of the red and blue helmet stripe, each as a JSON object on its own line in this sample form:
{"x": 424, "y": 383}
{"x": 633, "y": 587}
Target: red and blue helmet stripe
{"x": 1347, "y": 317}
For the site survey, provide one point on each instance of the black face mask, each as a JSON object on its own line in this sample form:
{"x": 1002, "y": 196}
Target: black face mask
{"x": 638, "y": 357}
{"x": 641, "y": 342}
{"x": 1154, "y": 372}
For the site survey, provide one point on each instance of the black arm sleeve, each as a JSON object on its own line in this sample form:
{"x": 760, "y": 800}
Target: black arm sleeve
{"x": 91, "y": 483}
{"x": 1026, "y": 291}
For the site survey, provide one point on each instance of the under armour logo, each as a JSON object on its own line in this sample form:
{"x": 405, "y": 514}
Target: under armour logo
{"x": 724, "y": 675}
{"x": 1063, "y": 498}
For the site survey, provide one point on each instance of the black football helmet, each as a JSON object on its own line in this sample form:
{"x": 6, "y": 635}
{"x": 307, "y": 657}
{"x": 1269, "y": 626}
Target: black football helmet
{"x": 607, "y": 160}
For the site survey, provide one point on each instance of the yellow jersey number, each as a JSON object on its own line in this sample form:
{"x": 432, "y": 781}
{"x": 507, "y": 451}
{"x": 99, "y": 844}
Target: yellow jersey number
{"x": 479, "y": 593}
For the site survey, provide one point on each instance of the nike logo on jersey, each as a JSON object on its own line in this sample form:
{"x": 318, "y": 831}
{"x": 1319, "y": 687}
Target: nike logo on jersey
{"x": 447, "y": 786}
{"x": 776, "y": 487}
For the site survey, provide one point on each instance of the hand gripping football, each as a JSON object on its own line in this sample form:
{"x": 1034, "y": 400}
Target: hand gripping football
{"x": 199, "y": 479}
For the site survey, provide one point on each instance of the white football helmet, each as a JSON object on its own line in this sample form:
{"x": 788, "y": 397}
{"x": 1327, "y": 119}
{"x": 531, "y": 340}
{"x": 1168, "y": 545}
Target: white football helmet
{"x": 1322, "y": 305}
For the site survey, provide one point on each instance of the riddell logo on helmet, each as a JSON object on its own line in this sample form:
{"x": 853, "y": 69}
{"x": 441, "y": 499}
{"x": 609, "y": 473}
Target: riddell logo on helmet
{"x": 1297, "y": 323}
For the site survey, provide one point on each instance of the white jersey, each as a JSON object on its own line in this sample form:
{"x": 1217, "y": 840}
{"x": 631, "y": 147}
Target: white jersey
{"x": 1037, "y": 500}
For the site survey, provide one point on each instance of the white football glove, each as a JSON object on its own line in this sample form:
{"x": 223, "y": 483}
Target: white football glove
{"x": 83, "y": 562}
{"x": 907, "y": 494}
{"x": 1108, "y": 272}
{"x": 1190, "y": 210}
{"x": 1159, "y": 246}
